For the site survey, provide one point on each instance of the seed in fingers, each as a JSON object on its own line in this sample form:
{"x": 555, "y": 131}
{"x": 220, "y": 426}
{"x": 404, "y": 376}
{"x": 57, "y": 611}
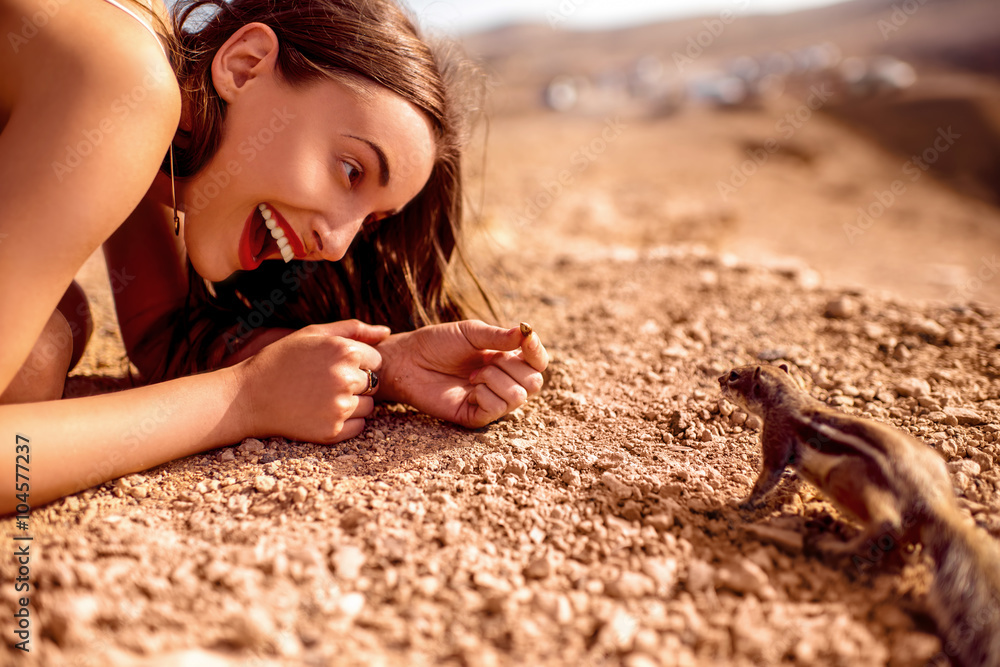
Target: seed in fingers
{"x": 525, "y": 329}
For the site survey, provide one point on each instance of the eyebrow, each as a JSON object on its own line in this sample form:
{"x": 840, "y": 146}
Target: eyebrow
{"x": 383, "y": 163}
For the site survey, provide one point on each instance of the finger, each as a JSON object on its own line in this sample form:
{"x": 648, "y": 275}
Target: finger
{"x": 351, "y": 429}
{"x": 359, "y": 382}
{"x": 484, "y": 336}
{"x": 366, "y": 355}
{"x": 517, "y": 368}
{"x": 503, "y": 386}
{"x": 491, "y": 407}
{"x": 366, "y": 405}
{"x": 363, "y": 332}
{"x": 534, "y": 352}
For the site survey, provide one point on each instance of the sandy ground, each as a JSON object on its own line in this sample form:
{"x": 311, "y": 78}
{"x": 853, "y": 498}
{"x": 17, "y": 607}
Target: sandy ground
{"x": 596, "y": 525}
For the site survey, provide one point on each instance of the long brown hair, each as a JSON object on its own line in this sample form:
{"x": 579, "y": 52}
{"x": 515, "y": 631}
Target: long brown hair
{"x": 398, "y": 272}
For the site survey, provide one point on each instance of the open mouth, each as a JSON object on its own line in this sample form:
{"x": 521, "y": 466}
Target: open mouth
{"x": 266, "y": 235}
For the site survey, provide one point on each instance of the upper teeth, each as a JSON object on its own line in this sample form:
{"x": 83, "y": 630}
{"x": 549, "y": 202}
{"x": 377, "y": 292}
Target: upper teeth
{"x": 277, "y": 233}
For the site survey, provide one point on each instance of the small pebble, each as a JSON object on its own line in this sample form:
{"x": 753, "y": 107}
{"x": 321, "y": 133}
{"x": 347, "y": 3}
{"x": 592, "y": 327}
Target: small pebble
{"x": 616, "y": 486}
{"x": 965, "y": 416}
{"x": 517, "y": 468}
{"x": 700, "y": 575}
{"x": 351, "y": 605}
{"x": 347, "y": 562}
{"x": 610, "y": 460}
{"x": 663, "y": 572}
{"x": 961, "y": 481}
{"x": 300, "y": 494}
{"x": 539, "y": 568}
{"x": 630, "y": 585}
{"x": 789, "y": 540}
{"x": 353, "y": 518}
{"x": 571, "y": 477}
{"x": 927, "y": 328}
{"x": 492, "y": 462}
{"x": 912, "y": 386}
{"x": 965, "y": 466}
{"x": 744, "y": 576}
{"x": 250, "y": 446}
{"x": 942, "y": 418}
{"x": 660, "y": 522}
{"x": 842, "y": 308}
{"x": 264, "y": 483}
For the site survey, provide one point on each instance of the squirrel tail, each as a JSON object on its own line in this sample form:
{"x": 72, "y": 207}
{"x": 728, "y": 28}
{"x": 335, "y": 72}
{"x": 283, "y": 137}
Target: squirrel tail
{"x": 965, "y": 593}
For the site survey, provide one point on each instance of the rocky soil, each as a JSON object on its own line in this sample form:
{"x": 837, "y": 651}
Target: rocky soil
{"x": 593, "y": 527}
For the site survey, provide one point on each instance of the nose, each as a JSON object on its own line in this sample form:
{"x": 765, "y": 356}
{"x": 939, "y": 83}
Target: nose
{"x": 722, "y": 379}
{"x": 331, "y": 239}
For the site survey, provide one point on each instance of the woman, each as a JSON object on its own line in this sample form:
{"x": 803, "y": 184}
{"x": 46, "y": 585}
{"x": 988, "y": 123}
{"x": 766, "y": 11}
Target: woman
{"x": 313, "y": 148}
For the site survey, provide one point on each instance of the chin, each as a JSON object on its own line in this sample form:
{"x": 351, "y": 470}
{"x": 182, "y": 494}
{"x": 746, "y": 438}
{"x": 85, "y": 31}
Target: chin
{"x": 211, "y": 271}
{"x": 212, "y": 266}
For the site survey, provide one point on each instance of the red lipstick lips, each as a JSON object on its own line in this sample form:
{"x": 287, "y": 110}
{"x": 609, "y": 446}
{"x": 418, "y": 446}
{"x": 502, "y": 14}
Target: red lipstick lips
{"x": 257, "y": 243}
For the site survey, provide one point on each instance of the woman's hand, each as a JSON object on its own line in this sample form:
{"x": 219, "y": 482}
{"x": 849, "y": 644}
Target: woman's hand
{"x": 307, "y": 385}
{"x": 467, "y": 372}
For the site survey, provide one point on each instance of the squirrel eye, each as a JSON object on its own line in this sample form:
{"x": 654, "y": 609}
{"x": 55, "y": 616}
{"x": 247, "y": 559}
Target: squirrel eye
{"x": 734, "y": 376}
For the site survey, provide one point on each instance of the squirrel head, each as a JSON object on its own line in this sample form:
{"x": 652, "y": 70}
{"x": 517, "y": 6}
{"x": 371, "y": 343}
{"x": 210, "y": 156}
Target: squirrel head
{"x": 754, "y": 387}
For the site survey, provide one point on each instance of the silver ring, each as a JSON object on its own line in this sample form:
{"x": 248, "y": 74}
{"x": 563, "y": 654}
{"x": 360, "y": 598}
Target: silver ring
{"x": 372, "y": 383}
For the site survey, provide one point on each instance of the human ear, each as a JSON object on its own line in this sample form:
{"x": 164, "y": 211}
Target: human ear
{"x": 248, "y": 54}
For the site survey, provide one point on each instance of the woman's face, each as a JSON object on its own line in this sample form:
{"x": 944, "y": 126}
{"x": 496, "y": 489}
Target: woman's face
{"x": 310, "y": 163}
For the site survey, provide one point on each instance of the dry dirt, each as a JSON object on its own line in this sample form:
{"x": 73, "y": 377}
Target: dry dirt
{"x": 595, "y": 526}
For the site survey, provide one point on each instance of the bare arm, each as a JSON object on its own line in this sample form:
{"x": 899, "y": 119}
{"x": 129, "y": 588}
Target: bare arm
{"x": 80, "y": 442}
{"x": 305, "y": 387}
{"x": 80, "y": 148}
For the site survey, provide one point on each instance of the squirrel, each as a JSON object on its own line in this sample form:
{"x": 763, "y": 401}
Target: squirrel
{"x": 892, "y": 483}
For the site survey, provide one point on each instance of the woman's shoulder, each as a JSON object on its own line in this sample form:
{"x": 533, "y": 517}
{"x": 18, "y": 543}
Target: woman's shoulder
{"x": 95, "y": 42}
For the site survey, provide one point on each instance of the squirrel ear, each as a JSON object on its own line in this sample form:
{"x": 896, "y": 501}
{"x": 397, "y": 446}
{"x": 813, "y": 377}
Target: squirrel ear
{"x": 784, "y": 367}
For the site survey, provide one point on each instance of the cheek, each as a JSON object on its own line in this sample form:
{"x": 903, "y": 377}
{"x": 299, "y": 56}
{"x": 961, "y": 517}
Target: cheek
{"x": 257, "y": 156}
{"x": 291, "y": 176}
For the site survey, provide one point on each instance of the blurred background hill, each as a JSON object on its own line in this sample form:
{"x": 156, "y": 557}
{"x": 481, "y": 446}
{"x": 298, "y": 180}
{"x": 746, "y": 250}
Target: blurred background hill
{"x": 777, "y": 137}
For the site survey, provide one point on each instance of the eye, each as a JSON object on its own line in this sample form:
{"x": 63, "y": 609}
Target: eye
{"x": 353, "y": 173}
{"x": 734, "y": 376}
